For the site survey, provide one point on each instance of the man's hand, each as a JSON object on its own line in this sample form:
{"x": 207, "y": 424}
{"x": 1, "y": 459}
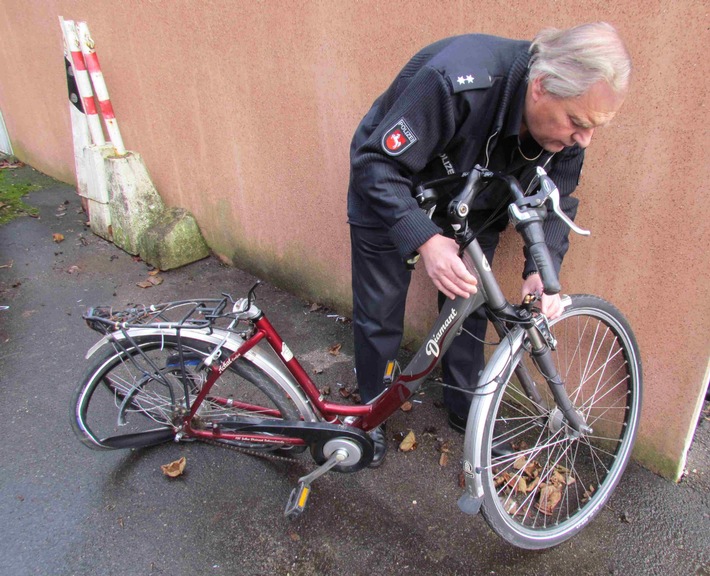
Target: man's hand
{"x": 551, "y": 305}
{"x": 446, "y": 270}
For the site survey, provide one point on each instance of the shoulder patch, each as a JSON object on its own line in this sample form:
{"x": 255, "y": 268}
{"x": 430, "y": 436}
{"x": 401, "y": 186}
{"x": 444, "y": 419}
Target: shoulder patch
{"x": 471, "y": 80}
{"x": 398, "y": 138}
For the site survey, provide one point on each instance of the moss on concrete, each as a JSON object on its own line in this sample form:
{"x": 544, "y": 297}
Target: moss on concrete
{"x": 649, "y": 456}
{"x": 173, "y": 240}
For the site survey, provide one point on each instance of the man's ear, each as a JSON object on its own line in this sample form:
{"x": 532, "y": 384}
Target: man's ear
{"x": 537, "y": 90}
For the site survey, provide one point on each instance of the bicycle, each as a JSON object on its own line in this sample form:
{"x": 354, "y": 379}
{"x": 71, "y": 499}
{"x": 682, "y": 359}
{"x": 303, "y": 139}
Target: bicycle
{"x": 539, "y": 461}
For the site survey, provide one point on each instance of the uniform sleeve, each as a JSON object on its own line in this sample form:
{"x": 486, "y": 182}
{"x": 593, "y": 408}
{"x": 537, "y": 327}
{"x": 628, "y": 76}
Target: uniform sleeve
{"x": 565, "y": 172}
{"x": 383, "y": 167}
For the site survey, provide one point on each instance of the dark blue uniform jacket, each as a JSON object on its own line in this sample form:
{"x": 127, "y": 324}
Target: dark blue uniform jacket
{"x": 457, "y": 103}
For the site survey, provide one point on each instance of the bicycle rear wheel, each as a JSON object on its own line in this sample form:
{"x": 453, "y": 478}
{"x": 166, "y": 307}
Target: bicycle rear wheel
{"x": 137, "y": 397}
{"x": 543, "y": 481}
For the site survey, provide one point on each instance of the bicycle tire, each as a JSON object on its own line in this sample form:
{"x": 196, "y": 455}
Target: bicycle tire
{"x": 542, "y": 484}
{"x": 136, "y": 397}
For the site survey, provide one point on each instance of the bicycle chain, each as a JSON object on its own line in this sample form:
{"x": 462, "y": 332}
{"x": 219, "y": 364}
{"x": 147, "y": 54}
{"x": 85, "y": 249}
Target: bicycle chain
{"x": 266, "y": 455}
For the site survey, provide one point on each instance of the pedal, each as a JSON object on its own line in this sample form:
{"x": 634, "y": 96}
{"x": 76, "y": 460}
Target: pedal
{"x": 297, "y": 501}
{"x": 299, "y": 495}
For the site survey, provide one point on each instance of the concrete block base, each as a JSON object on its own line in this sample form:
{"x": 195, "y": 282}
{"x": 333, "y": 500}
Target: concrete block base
{"x": 99, "y": 219}
{"x": 173, "y": 241}
{"x": 134, "y": 202}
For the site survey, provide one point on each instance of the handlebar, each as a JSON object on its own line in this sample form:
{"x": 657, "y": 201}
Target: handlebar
{"x": 526, "y": 212}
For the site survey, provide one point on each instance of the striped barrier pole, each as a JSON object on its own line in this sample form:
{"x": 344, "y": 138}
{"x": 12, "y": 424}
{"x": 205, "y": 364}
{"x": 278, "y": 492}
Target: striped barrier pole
{"x": 83, "y": 82}
{"x": 97, "y": 79}
{"x": 81, "y": 136}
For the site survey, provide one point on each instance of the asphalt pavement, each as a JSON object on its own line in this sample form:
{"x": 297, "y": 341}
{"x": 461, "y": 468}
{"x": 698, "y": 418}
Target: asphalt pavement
{"x": 67, "y": 510}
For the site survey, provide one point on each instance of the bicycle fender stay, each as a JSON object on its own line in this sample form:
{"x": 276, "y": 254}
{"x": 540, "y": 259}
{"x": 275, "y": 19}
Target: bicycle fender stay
{"x": 260, "y": 355}
{"x": 497, "y": 371}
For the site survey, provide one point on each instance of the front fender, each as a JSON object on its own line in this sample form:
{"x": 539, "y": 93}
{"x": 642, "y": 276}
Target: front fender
{"x": 497, "y": 371}
{"x": 260, "y": 355}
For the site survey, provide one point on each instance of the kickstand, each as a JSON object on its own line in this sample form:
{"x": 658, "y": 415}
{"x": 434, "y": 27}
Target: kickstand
{"x": 299, "y": 495}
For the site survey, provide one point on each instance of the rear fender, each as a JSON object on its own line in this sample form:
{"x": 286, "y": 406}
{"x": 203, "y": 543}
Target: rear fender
{"x": 260, "y": 355}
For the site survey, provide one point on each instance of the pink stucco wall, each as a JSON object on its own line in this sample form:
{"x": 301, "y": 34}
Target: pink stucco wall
{"x": 243, "y": 112}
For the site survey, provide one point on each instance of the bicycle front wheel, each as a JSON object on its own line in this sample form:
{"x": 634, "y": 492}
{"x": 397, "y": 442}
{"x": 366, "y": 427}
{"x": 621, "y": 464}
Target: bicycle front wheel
{"x": 138, "y": 395}
{"x": 543, "y": 481}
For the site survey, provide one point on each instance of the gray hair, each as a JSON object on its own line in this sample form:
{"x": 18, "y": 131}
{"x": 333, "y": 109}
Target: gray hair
{"x": 569, "y": 62}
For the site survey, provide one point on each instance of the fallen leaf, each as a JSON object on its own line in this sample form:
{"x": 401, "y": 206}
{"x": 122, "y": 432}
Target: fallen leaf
{"x": 356, "y": 398}
{"x": 510, "y": 506}
{"x": 557, "y": 479}
{"x": 462, "y": 480}
{"x": 175, "y": 468}
{"x": 145, "y": 284}
{"x": 520, "y": 463}
{"x": 409, "y": 443}
{"x": 58, "y": 237}
{"x": 154, "y": 272}
{"x": 533, "y": 485}
{"x": 325, "y": 391}
{"x": 550, "y": 496}
{"x": 315, "y": 307}
{"x": 73, "y": 270}
{"x": 335, "y": 349}
{"x": 155, "y": 280}
{"x": 406, "y": 407}
{"x": 443, "y": 459}
{"x": 295, "y": 537}
{"x": 345, "y": 392}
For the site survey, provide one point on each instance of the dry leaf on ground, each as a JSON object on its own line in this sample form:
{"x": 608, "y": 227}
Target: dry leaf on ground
{"x": 175, "y": 468}
{"x": 56, "y": 237}
{"x": 335, "y": 349}
{"x": 409, "y": 443}
{"x": 550, "y": 496}
{"x": 406, "y": 407}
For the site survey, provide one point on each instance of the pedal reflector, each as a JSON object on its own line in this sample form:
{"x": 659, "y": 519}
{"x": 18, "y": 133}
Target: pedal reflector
{"x": 297, "y": 501}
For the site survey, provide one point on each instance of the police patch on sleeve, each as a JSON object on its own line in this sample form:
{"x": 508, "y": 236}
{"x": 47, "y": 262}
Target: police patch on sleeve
{"x": 398, "y": 138}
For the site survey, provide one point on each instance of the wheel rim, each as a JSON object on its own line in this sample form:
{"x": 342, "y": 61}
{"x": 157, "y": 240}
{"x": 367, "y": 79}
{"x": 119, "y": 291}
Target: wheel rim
{"x": 549, "y": 481}
{"x": 136, "y": 393}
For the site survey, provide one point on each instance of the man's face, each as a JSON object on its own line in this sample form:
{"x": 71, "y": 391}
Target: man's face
{"x": 556, "y": 122}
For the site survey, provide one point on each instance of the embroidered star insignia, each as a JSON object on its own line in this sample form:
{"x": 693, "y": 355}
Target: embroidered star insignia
{"x": 461, "y": 80}
{"x": 469, "y": 79}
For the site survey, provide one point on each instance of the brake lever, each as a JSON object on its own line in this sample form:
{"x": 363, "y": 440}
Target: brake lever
{"x": 551, "y": 193}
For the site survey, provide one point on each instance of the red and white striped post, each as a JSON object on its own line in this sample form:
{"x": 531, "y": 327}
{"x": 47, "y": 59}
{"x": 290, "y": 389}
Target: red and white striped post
{"x": 83, "y": 81}
{"x": 81, "y": 136}
{"x": 97, "y": 79}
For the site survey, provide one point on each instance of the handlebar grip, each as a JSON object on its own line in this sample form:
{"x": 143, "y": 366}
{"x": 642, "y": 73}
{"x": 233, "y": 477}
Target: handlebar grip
{"x": 530, "y": 228}
{"x": 541, "y": 256}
